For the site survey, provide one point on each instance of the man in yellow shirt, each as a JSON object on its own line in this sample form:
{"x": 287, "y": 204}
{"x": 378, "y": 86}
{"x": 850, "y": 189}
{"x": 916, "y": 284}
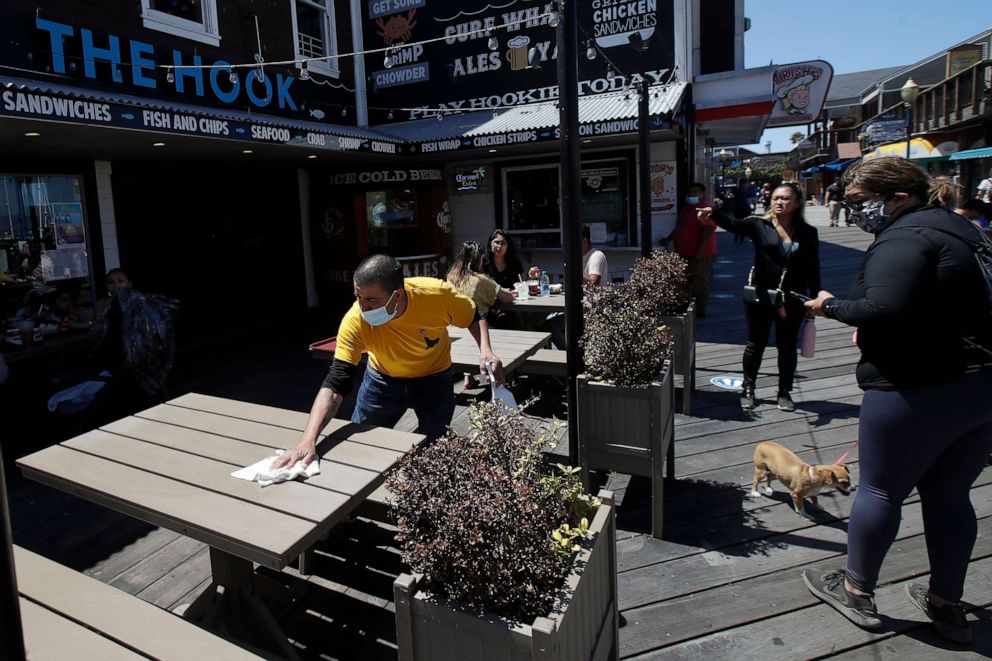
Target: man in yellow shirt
{"x": 402, "y": 324}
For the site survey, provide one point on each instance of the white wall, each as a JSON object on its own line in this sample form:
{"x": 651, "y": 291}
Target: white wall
{"x": 108, "y": 221}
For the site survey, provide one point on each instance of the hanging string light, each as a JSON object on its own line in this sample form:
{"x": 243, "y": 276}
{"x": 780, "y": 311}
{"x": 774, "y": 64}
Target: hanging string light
{"x": 388, "y": 60}
{"x": 170, "y": 77}
{"x": 304, "y": 71}
{"x": 390, "y": 115}
{"x": 493, "y": 43}
{"x": 553, "y": 19}
{"x": 590, "y": 50}
{"x": 233, "y": 77}
{"x": 610, "y": 73}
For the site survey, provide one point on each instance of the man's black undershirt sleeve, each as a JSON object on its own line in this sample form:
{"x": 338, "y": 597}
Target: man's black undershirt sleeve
{"x": 340, "y": 377}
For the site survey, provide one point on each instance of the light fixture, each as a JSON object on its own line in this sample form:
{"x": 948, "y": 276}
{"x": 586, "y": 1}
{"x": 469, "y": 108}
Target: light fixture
{"x": 909, "y": 91}
{"x": 32, "y": 134}
{"x": 344, "y": 111}
{"x": 158, "y": 144}
{"x": 492, "y": 151}
{"x": 312, "y": 156}
{"x": 233, "y": 77}
{"x": 495, "y": 113}
{"x": 439, "y": 116}
{"x": 493, "y": 42}
{"x": 390, "y": 115}
{"x": 388, "y": 60}
{"x": 304, "y": 71}
{"x": 610, "y": 73}
{"x": 590, "y": 50}
{"x": 553, "y": 19}
{"x": 170, "y": 77}
{"x": 247, "y": 151}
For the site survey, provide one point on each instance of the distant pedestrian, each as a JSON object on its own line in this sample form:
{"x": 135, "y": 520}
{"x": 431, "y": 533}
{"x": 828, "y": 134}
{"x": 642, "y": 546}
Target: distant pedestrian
{"x": 695, "y": 240}
{"x": 984, "y": 190}
{"x": 835, "y": 202}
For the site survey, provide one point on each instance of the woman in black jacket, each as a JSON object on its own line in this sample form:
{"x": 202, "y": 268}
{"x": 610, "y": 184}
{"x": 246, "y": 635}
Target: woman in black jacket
{"x": 786, "y": 258}
{"x": 921, "y": 309}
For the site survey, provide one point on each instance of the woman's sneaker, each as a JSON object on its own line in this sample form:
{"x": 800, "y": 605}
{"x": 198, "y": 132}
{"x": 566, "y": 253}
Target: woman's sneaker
{"x": 785, "y": 402}
{"x": 747, "y": 398}
{"x": 949, "y": 621}
{"x": 829, "y": 588}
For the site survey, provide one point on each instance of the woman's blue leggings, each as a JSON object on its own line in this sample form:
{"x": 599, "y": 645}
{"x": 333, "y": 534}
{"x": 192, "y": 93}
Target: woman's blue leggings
{"x": 936, "y": 439}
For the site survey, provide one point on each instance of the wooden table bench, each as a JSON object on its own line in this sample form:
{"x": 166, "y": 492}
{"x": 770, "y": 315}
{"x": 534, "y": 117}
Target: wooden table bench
{"x": 65, "y": 614}
{"x": 542, "y": 304}
{"x": 170, "y": 466}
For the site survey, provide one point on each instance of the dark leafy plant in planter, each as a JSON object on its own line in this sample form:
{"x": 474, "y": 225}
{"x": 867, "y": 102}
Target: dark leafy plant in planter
{"x": 660, "y": 282}
{"x": 485, "y": 522}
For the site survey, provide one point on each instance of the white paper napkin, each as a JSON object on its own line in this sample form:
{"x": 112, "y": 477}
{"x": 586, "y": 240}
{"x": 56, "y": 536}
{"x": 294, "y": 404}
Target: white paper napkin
{"x": 263, "y": 473}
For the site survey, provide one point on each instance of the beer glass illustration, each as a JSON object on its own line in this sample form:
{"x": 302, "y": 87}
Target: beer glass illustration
{"x": 517, "y": 55}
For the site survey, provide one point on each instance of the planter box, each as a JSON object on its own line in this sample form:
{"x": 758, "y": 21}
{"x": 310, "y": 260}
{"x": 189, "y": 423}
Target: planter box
{"x": 629, "y": 430}
{"x": 586, "y": 628}
{"x": 683, "y": 328}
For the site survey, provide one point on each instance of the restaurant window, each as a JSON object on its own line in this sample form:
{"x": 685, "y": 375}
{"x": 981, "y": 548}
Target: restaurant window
{"x": 42, "y": 237}
{"x": 190, "y": 19}
{"x": 392, "y": 220}
{"x": 533, "y": 217}
{"x": 314, "y": 35}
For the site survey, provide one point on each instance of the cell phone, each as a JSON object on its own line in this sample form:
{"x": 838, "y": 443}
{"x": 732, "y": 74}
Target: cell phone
{"x": 799, "y": 296}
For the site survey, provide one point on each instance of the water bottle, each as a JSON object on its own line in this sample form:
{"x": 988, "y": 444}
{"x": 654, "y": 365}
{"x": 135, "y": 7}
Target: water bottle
{"x": 545, "y": 284}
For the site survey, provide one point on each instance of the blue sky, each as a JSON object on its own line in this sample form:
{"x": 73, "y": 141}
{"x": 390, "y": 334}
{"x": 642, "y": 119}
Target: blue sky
{"x": 854, "y": 36}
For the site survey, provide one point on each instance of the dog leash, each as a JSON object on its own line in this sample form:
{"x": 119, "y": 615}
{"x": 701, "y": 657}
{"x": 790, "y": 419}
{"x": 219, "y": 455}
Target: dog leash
{"x": 841, "y": 459}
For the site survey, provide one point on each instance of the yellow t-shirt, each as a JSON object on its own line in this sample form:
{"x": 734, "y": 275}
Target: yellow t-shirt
{"x": 482, "y": 289}
{"x": 415, "y": 343}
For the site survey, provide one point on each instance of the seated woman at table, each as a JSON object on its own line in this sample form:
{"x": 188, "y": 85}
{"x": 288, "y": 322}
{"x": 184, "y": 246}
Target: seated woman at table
{"x": 503, "y": 266}
{"x": 467, "y": 277}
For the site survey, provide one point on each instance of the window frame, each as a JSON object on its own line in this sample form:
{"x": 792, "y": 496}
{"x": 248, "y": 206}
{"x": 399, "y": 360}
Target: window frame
{"x": 328, "y": 68}
{"x": 207, "y": 32}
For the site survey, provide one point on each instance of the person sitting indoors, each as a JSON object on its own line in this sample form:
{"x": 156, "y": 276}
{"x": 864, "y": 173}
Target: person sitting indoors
{"x": 466, "y": 276}
{"x": 402, "y": 324}
{"x": 977, "y": 212}
{"x": 63, "y": 311}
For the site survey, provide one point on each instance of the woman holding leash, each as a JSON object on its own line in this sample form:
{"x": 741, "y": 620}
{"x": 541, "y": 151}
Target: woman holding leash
{"x": 786, "y": 259}
{"x": 920, "y": 307}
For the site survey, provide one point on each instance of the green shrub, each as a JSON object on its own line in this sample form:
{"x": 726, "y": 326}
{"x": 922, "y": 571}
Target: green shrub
{"x": 482, "y": 519}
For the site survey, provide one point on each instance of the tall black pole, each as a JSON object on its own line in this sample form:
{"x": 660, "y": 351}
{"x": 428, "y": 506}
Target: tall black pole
{"x": 644, "y": 169}
{"x": 568, "y": 118}
{"x": 11, "y": 634}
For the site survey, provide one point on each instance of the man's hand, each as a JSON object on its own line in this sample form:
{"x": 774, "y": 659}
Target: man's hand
{"x": 494, "y": 362}
{"x": 534, "y": 272}
{"x": 816, "y": 305}
{"x": 702, "y": 213}
{"x": 304, "y": 451}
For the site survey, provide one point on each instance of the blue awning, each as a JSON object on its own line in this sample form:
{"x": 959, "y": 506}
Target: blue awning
{"x": 984, "y": 152}
{"x": 811, "y": 171}
{"x": 839, "y": 166}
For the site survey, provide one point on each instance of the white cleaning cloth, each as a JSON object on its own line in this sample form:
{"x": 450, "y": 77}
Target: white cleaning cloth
{"x": 263, "y": 473}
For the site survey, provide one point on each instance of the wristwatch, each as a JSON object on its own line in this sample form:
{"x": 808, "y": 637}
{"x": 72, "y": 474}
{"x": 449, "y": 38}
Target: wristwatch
{"x": 828, "y": 307}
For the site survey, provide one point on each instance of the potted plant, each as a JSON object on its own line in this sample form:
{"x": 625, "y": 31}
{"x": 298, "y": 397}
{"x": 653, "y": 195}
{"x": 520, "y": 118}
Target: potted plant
{"x": 661, "y": 280}
{"x": 511, "y": 560}
{"x": 625, "y": 398}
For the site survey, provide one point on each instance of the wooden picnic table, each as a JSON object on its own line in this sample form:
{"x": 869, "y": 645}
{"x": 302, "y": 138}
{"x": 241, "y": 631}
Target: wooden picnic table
{"x": 512, "y": 346}
{"x": 170, "y": 466}
{"x": 544, "y": 304}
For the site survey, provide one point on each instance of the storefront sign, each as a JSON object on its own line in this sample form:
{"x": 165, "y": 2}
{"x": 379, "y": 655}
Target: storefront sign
{"x": 471, "y": 180}
{"x": 385, "y": 177}
{"x": 428, "y": 266}
{"x": 483, "y": 54}
{"x": 615, "y": 22}
{"x": 663, "y": 182}
{"x": 798, "y": 92}
{"x": 50, "y": 106}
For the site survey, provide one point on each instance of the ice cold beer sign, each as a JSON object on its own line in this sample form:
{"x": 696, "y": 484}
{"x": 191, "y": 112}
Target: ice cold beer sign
{"x": 616, "y": 21}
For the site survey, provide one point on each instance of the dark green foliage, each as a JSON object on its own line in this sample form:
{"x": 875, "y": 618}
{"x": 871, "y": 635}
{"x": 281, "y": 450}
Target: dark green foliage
{"x": 483, "y": 521}
{"x": 659, "y": 281}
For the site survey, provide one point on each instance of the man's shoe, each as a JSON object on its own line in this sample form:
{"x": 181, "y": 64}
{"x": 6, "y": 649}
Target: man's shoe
{"x": 949, "y": 621}
{"x": 747, "y": 398}
{"x": 829, "y": 588}
{"x": 785, "y": 402}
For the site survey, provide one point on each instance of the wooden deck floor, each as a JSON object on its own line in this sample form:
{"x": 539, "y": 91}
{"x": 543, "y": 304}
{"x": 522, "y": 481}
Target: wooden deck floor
{"x": 725, "y": 580}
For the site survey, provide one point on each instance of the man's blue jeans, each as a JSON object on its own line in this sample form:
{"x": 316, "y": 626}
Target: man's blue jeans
{"x": 382, "y": 401}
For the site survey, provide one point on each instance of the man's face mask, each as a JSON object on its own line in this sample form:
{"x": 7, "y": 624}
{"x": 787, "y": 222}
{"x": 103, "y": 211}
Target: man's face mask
{"x": 380, "y": 316}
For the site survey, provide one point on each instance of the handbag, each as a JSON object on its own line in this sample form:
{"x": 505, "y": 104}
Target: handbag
{"x": 761, "y": 296}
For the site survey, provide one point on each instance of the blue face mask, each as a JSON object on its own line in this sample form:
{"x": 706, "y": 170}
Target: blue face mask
{"x": 380, "y": 316}
{"x": 692, "y": 199}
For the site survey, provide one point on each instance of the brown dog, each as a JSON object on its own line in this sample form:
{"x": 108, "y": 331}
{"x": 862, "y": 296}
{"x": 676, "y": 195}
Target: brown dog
{"x": 772, "y": 460}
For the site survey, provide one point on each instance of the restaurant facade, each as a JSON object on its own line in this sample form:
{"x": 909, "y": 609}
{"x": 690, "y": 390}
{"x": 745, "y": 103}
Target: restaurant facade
{"x": 244, "y": 156}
